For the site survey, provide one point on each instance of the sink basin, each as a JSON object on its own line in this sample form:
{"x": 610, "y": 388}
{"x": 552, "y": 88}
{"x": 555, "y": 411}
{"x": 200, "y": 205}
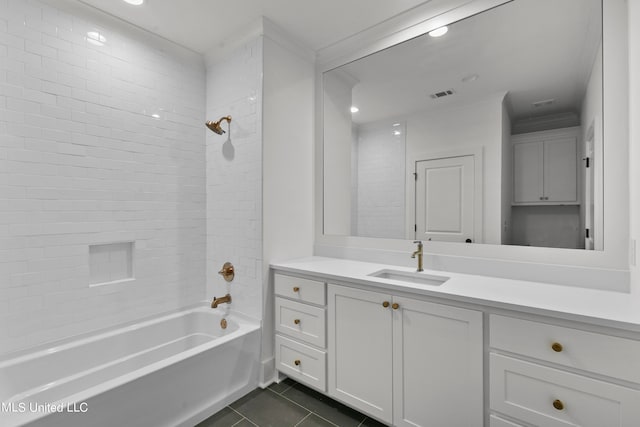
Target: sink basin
{"x": 405, "y": 276}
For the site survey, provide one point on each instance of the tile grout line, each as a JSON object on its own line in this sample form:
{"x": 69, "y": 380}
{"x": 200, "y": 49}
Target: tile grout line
{"x": 243, "y": 417}
{"x": 315, "y": 413}
{"x": 305, "y": 417}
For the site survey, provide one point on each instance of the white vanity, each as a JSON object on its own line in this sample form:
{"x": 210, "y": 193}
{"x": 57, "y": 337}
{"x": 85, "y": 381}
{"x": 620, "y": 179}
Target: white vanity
{"x": 471, "y": 351}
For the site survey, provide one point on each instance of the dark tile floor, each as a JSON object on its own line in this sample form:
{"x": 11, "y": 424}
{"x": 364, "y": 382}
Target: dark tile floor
{"x": 288, "y": 404}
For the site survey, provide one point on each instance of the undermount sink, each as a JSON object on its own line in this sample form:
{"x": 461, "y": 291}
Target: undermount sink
{"x": 409, "y": 277}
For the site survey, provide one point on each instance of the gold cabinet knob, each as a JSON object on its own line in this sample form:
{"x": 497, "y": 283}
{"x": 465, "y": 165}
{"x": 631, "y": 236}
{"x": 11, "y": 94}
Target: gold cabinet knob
{"x": 296, "y": 362}
{"x": 385, "y": 304}
{"x": 296, "y": 289}
{"x": 227, "y": 271}
{"x": 296, "y": 321}
{"x": 395, "y": 306}
{"x": 558, "y": 404}
{"x": 557, "y": 347}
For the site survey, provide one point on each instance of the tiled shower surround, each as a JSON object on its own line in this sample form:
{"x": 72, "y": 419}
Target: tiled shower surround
{"x": 99, "y": 144}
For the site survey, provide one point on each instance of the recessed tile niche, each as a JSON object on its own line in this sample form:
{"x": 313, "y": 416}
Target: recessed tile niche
{"x": 110, "y": 263}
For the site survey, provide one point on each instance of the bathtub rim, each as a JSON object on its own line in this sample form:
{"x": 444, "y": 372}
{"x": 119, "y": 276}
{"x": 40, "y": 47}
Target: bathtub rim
{"x": 60, "y": 342}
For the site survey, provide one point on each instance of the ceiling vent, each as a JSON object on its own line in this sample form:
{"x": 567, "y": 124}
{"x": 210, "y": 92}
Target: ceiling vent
{"x": 442, "y": 94}
{"x": 543, "y": 103}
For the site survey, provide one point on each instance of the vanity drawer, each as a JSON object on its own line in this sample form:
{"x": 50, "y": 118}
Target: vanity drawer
{"x": 301, "y": 321}
{"x": 495, "y": 421}
{"x": 304, "y": 290}
{"x": 550, "y": 397}
{"x": 301, "y": 362}
{"x": 603, "y": 354}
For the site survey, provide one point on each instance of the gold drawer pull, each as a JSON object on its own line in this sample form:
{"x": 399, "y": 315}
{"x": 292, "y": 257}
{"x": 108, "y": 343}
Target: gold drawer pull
{"x": 558, "y": 405}
{"x": 557, "y": 347}
{"x": 296, "y": 289}
{"x": 395, "y": 306}
{"x": 385, "y": 304}
{"x": 296, "y": 321}
{"x": 296, "y": 362}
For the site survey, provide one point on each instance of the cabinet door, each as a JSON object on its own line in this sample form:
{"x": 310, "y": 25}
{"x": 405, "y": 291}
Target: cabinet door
{"x": 528, "y": 169}
{"x": 360, "y": 350}
{"x": 437, "y": 353}
{"x": 560, "y": 170}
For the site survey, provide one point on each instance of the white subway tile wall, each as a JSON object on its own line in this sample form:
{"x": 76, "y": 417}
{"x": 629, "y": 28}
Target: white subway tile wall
{"x": 98, "y": 144}
{"x": 379, "y": 205}
{"x": 234, "y": 177}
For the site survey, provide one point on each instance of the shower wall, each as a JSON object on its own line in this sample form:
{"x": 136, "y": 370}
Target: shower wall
{"x": 234, "y": 174}
{"x": 100, "y": 145}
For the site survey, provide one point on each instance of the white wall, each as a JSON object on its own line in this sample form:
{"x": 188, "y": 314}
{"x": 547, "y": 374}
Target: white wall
{"x": 472, "y": 126}
{"x": 379, "y": 209}
{"x": 234, "y": 176}
{"x": 634, "y": 134}
{"x": 82, "y": 162}
{"x": 287, "y": 177}
{"x": 506, "y": 225}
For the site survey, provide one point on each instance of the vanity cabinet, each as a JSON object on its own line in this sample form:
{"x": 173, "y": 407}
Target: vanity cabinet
{"x": 300, "y": 318}
{"x": 405, "y": 361}
{"x": 549, "y": 375}
{"x": 545, "y": 167}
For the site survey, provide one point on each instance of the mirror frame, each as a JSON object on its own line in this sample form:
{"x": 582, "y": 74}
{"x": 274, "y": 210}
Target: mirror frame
{"x": 434, "y": 14}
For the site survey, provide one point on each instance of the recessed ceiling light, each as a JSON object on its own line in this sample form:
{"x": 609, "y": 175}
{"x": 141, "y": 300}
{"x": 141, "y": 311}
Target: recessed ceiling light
{"x": 354, "y": 109}
{"x": 95, "y": 38}
{"x": 439, "y": 32}
{"x": 155, "y": 115}
{"x": 396, "y": 125}
{"x": 470, "y": 78}
{"x": 397, "y": 133}
{"x": 135, "y": 2}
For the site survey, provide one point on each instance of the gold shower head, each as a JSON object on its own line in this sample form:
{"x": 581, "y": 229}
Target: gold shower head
{"x": 215, "y": 126}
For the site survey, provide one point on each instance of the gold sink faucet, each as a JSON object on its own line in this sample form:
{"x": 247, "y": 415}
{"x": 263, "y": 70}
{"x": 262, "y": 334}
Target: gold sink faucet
{"x": 221, "y": 300}
{"x": 419, "y": 253}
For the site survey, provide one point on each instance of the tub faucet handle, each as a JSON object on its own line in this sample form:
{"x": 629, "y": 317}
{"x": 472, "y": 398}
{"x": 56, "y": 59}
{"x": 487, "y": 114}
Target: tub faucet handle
{"x": 227, "y": 271}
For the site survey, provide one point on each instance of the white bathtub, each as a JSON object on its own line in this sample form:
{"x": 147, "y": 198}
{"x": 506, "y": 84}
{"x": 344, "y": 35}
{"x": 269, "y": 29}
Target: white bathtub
{"x": 174, "y": 370}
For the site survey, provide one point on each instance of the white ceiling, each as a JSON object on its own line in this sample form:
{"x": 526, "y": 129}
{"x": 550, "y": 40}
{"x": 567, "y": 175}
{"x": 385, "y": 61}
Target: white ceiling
{"x": 201, "y": 24}
{"x": 533, "y": 49}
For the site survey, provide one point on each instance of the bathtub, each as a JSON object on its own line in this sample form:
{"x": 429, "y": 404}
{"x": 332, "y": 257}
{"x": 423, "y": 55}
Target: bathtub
{"x": 172, "y": 370}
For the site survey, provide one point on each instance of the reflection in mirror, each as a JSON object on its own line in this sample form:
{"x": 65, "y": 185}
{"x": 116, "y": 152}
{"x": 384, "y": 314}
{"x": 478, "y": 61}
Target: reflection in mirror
{"x": 481, "y": 135}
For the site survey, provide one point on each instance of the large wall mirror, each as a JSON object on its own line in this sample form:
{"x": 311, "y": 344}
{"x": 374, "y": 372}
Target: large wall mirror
{"x": 488, "y": 131}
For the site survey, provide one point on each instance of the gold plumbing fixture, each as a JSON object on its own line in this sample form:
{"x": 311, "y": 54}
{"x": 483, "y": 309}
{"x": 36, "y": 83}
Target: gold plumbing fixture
{"x": 296, "y": 362}
{"x": 558, "y": 404}
{"x": 296, "y": 289}
{"x": 557, "y": 347}
{"x": 223, "y": 323}
{"x": 419, "y": 253}
{"x": 217, "y": 301}
{"x": 228, "y": 272}
{"x": 215, "y": 126}
{"x": 385, "y": 304}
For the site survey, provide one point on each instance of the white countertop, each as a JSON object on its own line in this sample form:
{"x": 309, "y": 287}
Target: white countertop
{"x": 604, "y": 308}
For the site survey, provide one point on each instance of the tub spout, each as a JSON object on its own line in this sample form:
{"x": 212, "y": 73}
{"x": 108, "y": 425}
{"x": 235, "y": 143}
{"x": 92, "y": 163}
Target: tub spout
{"x": 221, "y": 300}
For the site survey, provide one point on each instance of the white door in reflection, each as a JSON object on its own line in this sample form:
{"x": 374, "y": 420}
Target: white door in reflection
{"x": 445, "y": 192}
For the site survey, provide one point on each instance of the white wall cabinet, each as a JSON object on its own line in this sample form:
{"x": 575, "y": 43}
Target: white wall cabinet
{"x": 404, "y": 361}
{"x": 545, "y": 167}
